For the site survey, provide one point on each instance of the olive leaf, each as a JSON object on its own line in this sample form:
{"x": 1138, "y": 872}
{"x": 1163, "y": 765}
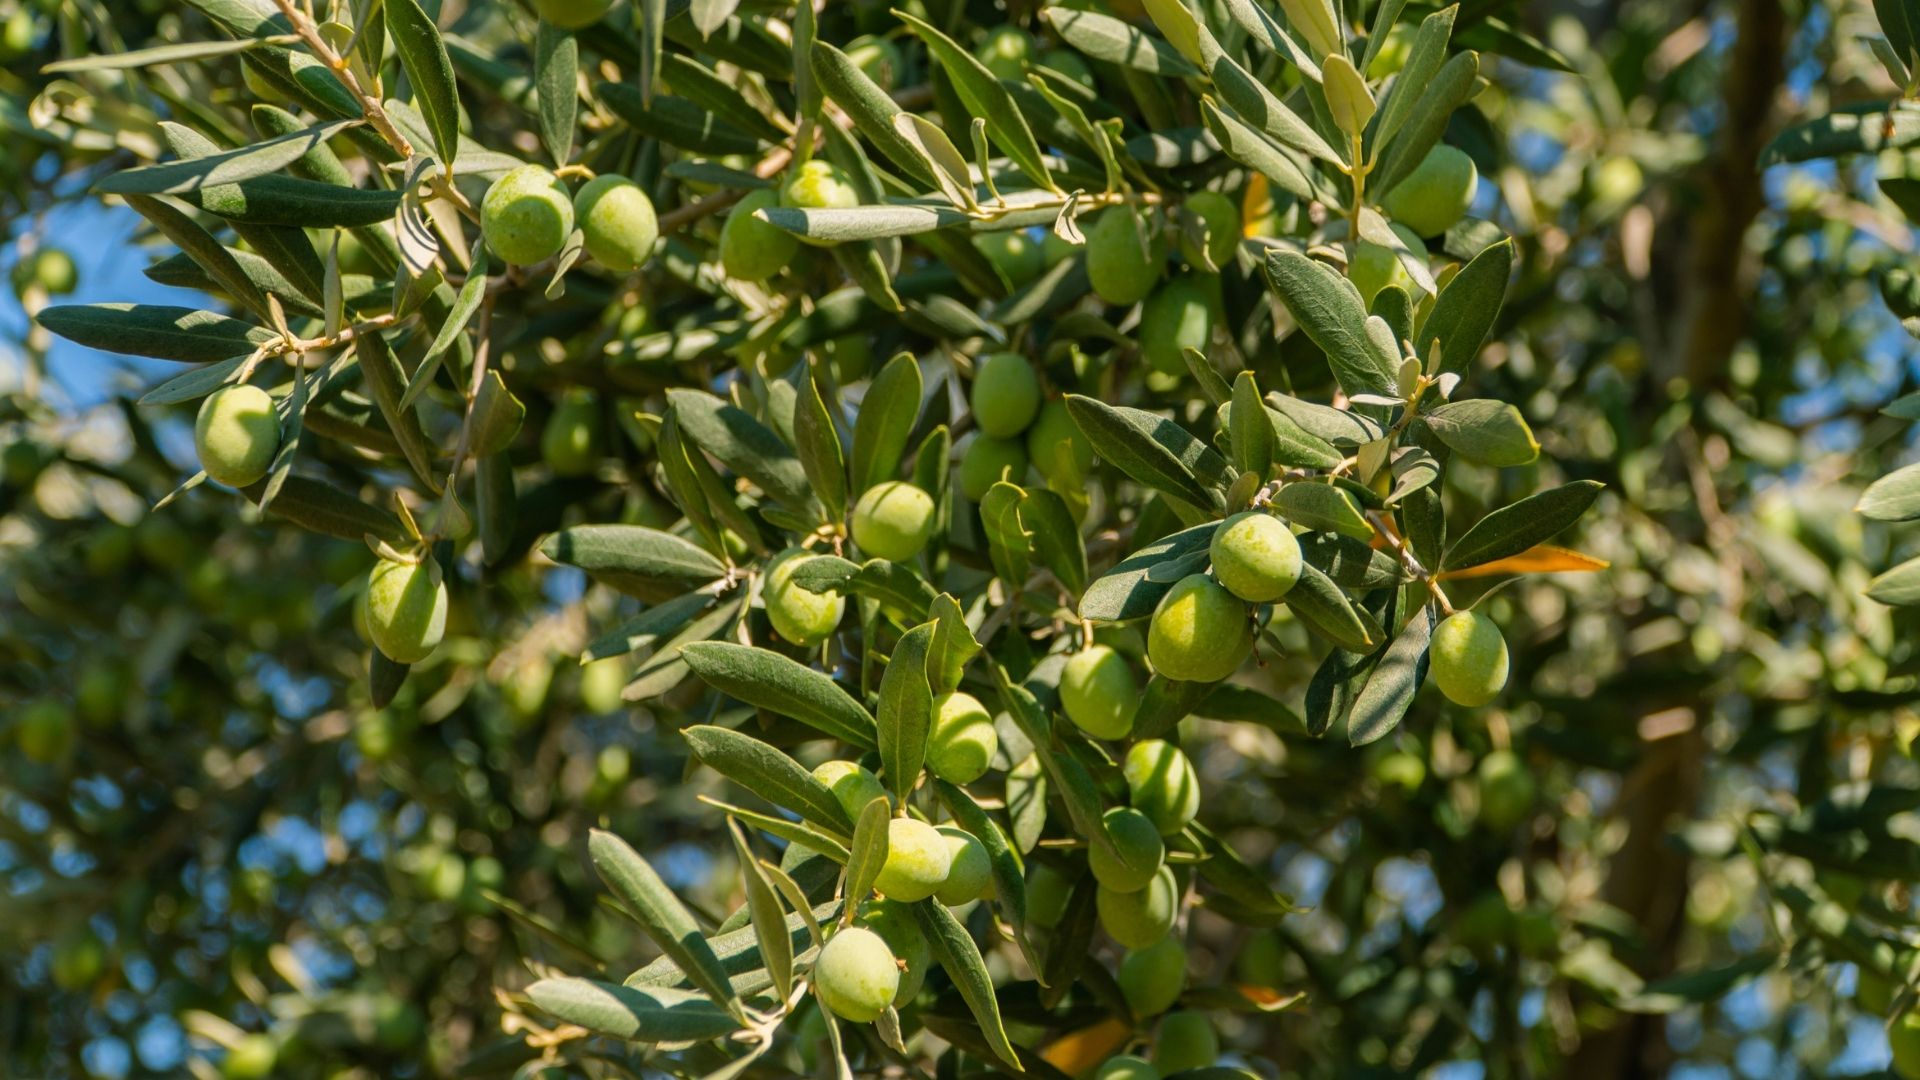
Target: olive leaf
{"x": 661, "y": 914}
{"x": 768, "y": 680}
{"x": 905, "y": 714}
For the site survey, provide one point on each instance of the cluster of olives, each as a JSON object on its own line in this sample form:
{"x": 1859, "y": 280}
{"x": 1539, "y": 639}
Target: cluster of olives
{"x": 1432, "y": 199}
{"x": 528, "y": 214}
{"x": 1125, "y": 260}
{"x": 1183, "y": 1041}
{"x": 755, "y": 250}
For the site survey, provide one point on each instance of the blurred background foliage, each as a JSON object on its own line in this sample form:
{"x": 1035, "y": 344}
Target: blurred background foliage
{"x": 207, "y": 832}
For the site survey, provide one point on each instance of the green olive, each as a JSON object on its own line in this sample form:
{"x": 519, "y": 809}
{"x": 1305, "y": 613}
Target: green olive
{"x": 1006, "y": 51}
{"x": 1180, "y": 315}
{"x": 1255, "y": 556}
{"x": 572, "y": 442}
{"x": 1126, "y": 1067}
{"x": 1373, "y": 267}
{"x": 1162, "y": 784}
{"x": 527, "y": 216}
{"x": 1436, "y": 194}
{"x": 1904, "y": 1039}
{"x": 1222, "y": 219}
{"x": 970, "y": 877}
{"x": 617, "y": 222}
{"x": 893, "y": 520}
{"x": 1005, "y": 394}
{"x": 1012, "y": 252}
{"x": 802, "y": 617}
{"x": 819, "y": 185}
{"x": 1506, "y": 790}
{"x": 1139, "y": 851}
{"x": 918, "y": 861}
{"x": 962, "y": 741}
{"x": 1056, "y": 446}
{"x": 987, "y": 461}
{"x": 1186, "y": 1040}
{"x": 236, "y": 434}
{"x": 1153, "y": 976}
{"x": 1048, "y": 891}
{"x": 896, "y": 925}
{"x": 1099, "y": 693}
{"x": 1199, "y": 631}
{"x": 78, "y": 959}
{"x": 1469, "y": 658}
{"x": 1121, "y": 264}
{"x": 1138, "y": 919}
{"x": 406, "y": 609}
{"x": 856, "y": 975}
{"x": 251, "y": 1058}
{"x": 751, "y": 249}
{"x": 852, "y": 785}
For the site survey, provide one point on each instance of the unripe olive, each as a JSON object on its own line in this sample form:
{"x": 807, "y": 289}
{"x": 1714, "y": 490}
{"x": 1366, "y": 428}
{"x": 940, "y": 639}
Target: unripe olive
{"x": 970, "y": 875}
{"x": 1255, "y": 556}
{"x": 1162, "y": 785}
{"x": 962, "y": 741}
{"x": 252, "y": 1058}
{"x": 1903, "y": 1037}
{"x": 1436, "y": 193}
{"x": 1138, "y": 846}
{"x": 1006, "y": 52}
{"x": 1616, "y": 181}
{"x": 572, "y": 14}
{"x": 1056, "y": 447}
{"x": 572, "y": 442}
{"x": 1005, "y": 394}
{"x": 987, "y": 461}
{"x": 1373, "y": 267}
{"x": 918, "y": 860}
{"x": 751, "y": 249}
{"x": 1199, "y": 631}
{"x": 895, "y": 924}
{"x": 876, "y": 57}
{"x": 893, "y": 520}
{"x": 617, "y": 222}
{"x": 1067, "y": 62}
{"x": 1048, "y": 891}
{"x": 1506, "y": 790}
{"x": 1186, "y": 1040}
{"x": 601, "y": 683}
{"x": 101, "y": 692}
{"x": 51, "y": 268}
{"x": 406, "y": 609}
{"x": 1121, "y": 264}
{"x": 527, "y": 216}
{"x": 1152, "y": 978}
{"x": 852, "y": 785}
{"x": 1222, "y": 219}
{"x": 1469, "y": 658}
{"x": 1126, "y": 1067}
{"x": 443, "y": 876}
{"x": 45, "y": 732}
{"x": 1138, "y": 919}
{"x": 236, "y": 435}
{"x": 819, "y": 185}
{"x": 78, "y": 959}
{"x": 1401, "y": 770}
{"x": 802, "y": 617}
{"x": 1015, "y": 254}
{"x": 375, "y": 734}
{"x": 526, "y": 684}
{"x": 1099, "y": 693}
{"x": 1180, "y": 315}
{"x": 856, "y": 975}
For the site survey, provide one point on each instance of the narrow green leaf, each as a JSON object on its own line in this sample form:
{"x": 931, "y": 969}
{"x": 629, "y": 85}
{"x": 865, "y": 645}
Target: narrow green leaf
{"x": 1452, "y": 86}
{"x": 906, "y": 710}
{"x": 1252, "y": 149}
{"x": 1253, "y": 102}
{"x": 424, "y": 55}
{"x": 1325, "y": 609}
{"x": 232, "y": 166}
{"x": 383, "y": 378}
{"x": 660, "y": 913}
{"x": 765, "y": 771}
{"x": 1429, "y": 50}
{"x": 985, "y": 97}
{"x": 767, "y": 680}
{"x": 1393, "y": 682}
{"x": 1466, "y": 309}
{"x": 1133, "y": 588}
{"x": 1152, "y": 450}
{"x": 155, "y": 330}
{"x": 1328, "y": 309}
{"x": 768, "y": 918}
{"x": 644, "y": 1015}
{"x": 1104, "y": 37}
{"x": 817, "y": 438}
{"x": 556, "y": 74}
{"x": 1009, "y": 878}
{"x": 747, "y": 446}
{"x": 1484, "y": 431}
{"x": 955, "y": 951}
{"x": 1007, "y": 544}
{"x": 885, "y": 421}
{"x": 1054, "y": 537}
{"x": 952, "y": 647}
{"x": 1513, "y": 529}
{"x": 1893, "y": 497}
{"x": 635, "y": 559}
{"x": 1252, "y": 429}
{"x": 872, "y": 110}
{"x": 182, "y": 52}
{"x": 868, "y": 852}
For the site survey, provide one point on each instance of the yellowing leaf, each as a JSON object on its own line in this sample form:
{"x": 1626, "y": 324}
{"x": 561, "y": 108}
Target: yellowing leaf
{"x": 1079, "y": 1052}
{"x": 1538, "y": 559}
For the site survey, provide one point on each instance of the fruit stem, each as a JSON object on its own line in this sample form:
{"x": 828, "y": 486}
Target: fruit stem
{"x": 370, "y": 107}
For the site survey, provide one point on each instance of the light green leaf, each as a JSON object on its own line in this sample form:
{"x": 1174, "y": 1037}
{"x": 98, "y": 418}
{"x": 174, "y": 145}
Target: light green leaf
{"x": 885, "y": 421}
{"x": 906, "y": 710}
{"x": 985, "y": 97}
{"x": 635, "y": 559}
{"x": 230, "y": 167}
{"x": 1484, "y": 431}
{"x": 1104, "y": 37}
{"x": 768, "y": 918}
{"x": 1323, "y": 507}
{"x": 817, "y": 438}
{"x": 955, "y": 951}
{"x": 645, "y": 1015}
{"x": 1393, "y": 682}
{"x": 1328, "y": 309}
{"x": 868, "y": 852}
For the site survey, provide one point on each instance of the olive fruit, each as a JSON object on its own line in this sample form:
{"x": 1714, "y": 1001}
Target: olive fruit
{"x": 1056, "y": 446}
{"x": 406, "y": 609}
{"x": 572, "y": 14}
{"x": 1153, "y": 977}
{"x": 1903, "y": 1037}
{"x": 1199, "y": 631}
{"x": 617, "y": 222}
{"x": 970, "y": 875}
{"x": 856, "y": 975}
{"x": 1138, "y": 919}
{"x": 1048, "y": 891}
{"x": 918, "y": 861}
{"x": 893, "y": 520}
{"x": 1069, "y": 64}
{"x": 852, "y": 785}
{"x": 962, "y": 741}
{"x": 1121, "y": 264}
{"x": 236, "y": 435}
{"x": 1006, "y": 52}
{"x": 1099, "y": 693}
{"x": 1012, "y": 252}
{"x": 1186, "y": 1040}
{"x": 1180, "y": 315}
{"x": 1255, "y": 556}
{"x": 1436, "y": 193}
{"x": 50, "y": 268}
{"x": 527, "y": 216}
{"x": 819, "y": 185}
{"x": 1222, "y": 220}
{"x": 802, "y": 617}
{"x": 1616, "y": 181}
{"x": 78, "y": 959}
{"x": 1161, "y": 784}
{"x": 251, "y": 1058}
{"x": 1005, "y": 394}
{"x": 1506, "y": 790}
{"x": 1373, "y": 267}
{"x": 751, "y": 249}
{"x": 1138, "y": 851}
{"x": 1469, "y": 658}
{"x": 987, "y": 461}
{"x": 1126, "y": 1067}
{"x": 571, "y": 443}
{"x": 896, "y": 925}
{"x": 601, "y": 683}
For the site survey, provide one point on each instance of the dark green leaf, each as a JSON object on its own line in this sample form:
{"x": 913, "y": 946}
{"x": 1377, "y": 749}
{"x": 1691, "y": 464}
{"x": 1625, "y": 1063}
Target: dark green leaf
{"x": 1513, "y": 529}
{"x": 770, "y": 774}
{"x": 1395, "y": 679}
{"x": 955, "y": 951}
{"x": 417, "y": 41}
{"x": 767, "y": 680}
{"x": 1328, "y": 309}
{"x": 660, "y": 913}
{"x": 159, "y": 331}
{"x": 635, "y": 559}
{"x": 645, "y": 1015}
{"x": 906, "y": 710}
{"x": 1133, "y": 588}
